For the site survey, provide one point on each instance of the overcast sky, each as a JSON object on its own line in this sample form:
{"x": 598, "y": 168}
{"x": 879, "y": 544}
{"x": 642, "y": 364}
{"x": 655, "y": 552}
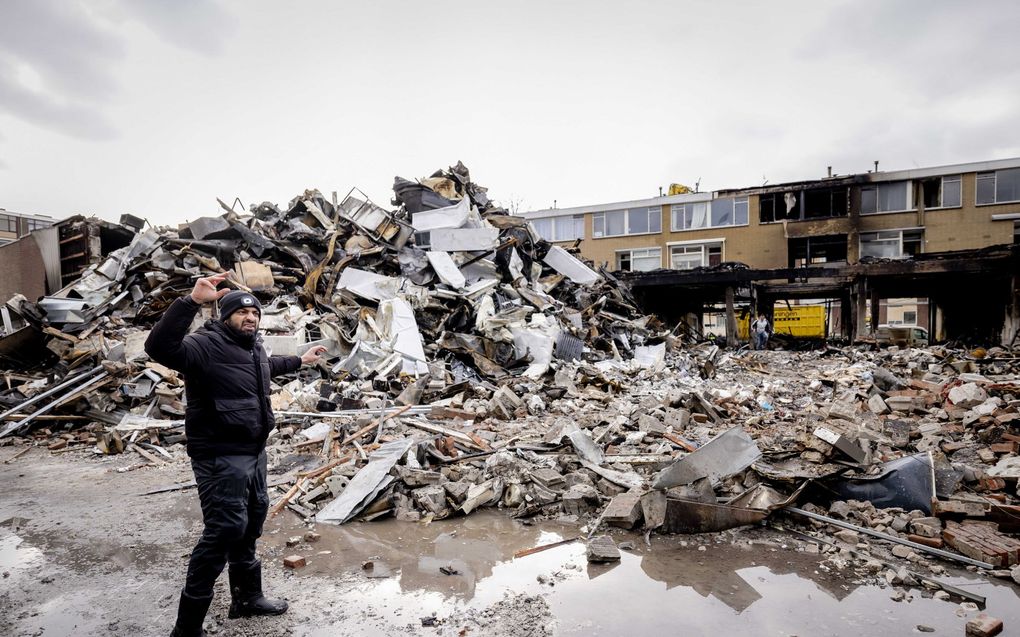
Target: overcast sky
{"x": 156, "y": 108}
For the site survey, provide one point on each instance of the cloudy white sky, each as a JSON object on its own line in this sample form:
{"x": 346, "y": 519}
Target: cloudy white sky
{"x": 156, "y": 107}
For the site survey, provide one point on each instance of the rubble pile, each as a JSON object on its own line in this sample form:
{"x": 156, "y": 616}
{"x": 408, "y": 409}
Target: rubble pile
{"x": 473, "y": 365}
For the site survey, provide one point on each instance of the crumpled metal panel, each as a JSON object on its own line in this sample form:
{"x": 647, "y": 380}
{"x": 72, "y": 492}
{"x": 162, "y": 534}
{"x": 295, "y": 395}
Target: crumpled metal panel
{"x": 366, "y": 484}
{"x": 728, "y": 453}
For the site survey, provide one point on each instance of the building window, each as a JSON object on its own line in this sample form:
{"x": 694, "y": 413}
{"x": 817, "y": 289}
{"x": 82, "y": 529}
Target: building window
{"x": 729, "y": 212}
{"x": 818, "y": 203}
{"x": 8, "y": 224}
{"x": 423, "y": 240}
{"x": 891, "y": 197}
{"x": 824, "y": 202}
{"x": 891, "y": 244}
{"x": 1001, "y": 186}
{"x": 617, "y": 223}
{"x": 689, "y": 216}
{"x": 819, "y": 249}
{"x": 560, "y": 228}
{"x": 942, "y": 192}
{"x": 910, "y": 318}
{"x": 642, "y": 260}
{"x": 695, "y": 255}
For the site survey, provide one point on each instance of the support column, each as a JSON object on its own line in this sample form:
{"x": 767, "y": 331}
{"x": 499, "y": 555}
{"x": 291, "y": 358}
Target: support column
{"x": 731, "y": 319}
{"x": 861, "y": 310}
{"x": 876, "y": 308}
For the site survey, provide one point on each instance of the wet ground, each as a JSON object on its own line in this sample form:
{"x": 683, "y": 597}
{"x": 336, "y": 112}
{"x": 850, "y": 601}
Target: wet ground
{"x": 82, "y": 554}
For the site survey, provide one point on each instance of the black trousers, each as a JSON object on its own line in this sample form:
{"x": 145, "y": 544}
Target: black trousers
{"x": 232, "y": 491}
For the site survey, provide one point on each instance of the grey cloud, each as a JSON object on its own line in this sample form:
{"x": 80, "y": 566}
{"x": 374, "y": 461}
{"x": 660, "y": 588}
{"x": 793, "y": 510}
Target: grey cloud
{"x": 67, "y": 48}
{"x": 71, "y": 118}
{"x": 73, "y": 49}
{"x": 934, "y": 48}
{"x": 200, "y": 25}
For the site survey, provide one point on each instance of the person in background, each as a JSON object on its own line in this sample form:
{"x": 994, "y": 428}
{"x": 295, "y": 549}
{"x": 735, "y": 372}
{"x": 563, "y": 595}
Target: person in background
{"x": 760, "y": 330}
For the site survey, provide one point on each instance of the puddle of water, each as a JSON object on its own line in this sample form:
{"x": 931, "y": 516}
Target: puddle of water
{"x": 666, "y": 589}
{"x": 16, "y": 557}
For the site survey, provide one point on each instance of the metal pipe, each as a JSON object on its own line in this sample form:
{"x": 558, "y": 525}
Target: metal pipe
{"x": 949, "y": 588}
{"x": 415, "y": 410}
{"x": 892, "y": 538}
{"x": 42, "y": 410}
{"x": 49, "y": 392}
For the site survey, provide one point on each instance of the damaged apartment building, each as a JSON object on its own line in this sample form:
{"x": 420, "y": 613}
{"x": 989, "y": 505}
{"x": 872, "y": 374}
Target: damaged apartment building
{"x": 933, "y": 247}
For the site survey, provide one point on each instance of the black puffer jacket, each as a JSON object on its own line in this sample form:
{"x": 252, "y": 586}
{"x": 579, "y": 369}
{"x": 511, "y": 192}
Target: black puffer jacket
{"x": 226, "y": 380}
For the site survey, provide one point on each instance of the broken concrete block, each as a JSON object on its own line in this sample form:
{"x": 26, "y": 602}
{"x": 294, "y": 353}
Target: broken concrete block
{"x": 653, "y": 509}
{"x": 877, "y": 405}
{"x": 967, "y": 396}
{"x": 848, "y": 536}
{"x": 294, "y": 561}
{"x": 431, "y": 498}
{"x": 651, "y": 425}
{"x": 603, "y": 549}
{"x": 677, "y": 419}
{"x": 419, "y": 477}
{"x": 457, "y": 491}
{"x": 839, "y": 509}
{"x": 843, "y": 410}
{"x": 624, "y": 510}
{"x": 983, "y": 626}
{"x": 579, "y": 500}
{"x": 548, "y": 478}
{"x": 927, "y": 527}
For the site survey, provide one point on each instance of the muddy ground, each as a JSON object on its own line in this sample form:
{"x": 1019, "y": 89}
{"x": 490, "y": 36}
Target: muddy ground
{"x": 81, "y": 553}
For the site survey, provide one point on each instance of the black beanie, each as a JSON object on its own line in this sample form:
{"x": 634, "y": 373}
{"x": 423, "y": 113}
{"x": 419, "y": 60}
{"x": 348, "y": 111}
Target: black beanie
{"x": 235, "y": 300}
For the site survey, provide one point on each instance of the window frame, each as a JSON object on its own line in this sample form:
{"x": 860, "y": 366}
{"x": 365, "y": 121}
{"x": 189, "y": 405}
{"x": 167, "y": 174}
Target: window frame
{"x": 957, "y": 178}
{"x": 576, "y": 221}
{"x": 704, "y": 247}
{"x": 877, "y": 186}
{"x": 9, "y": 223}
{"x": 630, "y": 252}
{"x": 601, "y": 218}
{"x": 978, "y": 177}
{"x": 900, "y": 232}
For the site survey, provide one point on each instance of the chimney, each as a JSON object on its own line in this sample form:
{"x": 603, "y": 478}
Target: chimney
{"x": 876, "y": 165}
{"x": 554, "y": 204}
{"x": 830, "y": 171}
{"x": 660, "y": 191}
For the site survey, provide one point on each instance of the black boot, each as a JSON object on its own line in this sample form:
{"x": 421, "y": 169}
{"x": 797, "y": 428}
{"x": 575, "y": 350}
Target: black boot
{"x": 190, "y": 615}
{"x": 246, "y": 593}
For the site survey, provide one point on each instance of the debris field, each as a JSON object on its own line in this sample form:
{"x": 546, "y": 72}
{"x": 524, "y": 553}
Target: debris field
{"x": 471, "y": 364}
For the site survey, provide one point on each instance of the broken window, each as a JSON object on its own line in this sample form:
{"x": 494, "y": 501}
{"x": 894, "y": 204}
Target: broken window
{"x": 689, "y": 216}
{"x": 642, "y": 260}
{"x": 824, "y": 202}
{"x": 890, "y": 197}
{"x": 695, "y": 255}
{"x": 622, "y": 222}
{"x": 820, "y": 249}
{"x": 942, "y": 192}
{"x": 818, "y": 203}
{"x": 892, "y": 244}
{"x": 1001, "y": 186}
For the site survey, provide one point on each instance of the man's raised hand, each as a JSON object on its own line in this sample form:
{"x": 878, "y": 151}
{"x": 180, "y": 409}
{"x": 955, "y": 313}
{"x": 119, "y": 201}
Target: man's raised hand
{"x": 205, "y": 288}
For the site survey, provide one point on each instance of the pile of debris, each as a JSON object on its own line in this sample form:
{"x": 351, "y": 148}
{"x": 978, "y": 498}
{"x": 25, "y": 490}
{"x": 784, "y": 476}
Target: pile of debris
{"x": 472, "y": 364}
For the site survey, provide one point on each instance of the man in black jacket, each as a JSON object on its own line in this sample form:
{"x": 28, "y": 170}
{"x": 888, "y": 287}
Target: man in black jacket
{"x": 226, "y": 378}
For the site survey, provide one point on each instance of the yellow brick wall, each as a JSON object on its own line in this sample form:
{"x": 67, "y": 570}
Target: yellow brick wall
{"x": 766, "y": 245}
